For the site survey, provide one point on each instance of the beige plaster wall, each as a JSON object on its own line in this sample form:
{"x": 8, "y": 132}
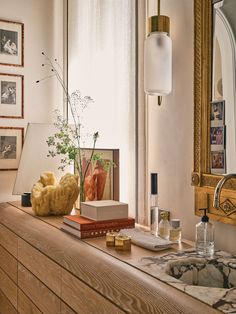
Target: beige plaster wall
{"x": 42, "y": 20}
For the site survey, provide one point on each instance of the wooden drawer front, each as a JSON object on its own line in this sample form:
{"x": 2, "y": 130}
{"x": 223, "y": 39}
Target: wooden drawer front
{"x": 65, "y": 309}
{"x": 8, "y": 263}
{"x": 5, "y": 305}
{"x": 9, "y": 288}
{"x": 40, "y": 295}
{"x": 82, "y": 299}
{"x": 8, "y": 240}
{"x": 40, "y": 265}
{"x": 25, "y": 306}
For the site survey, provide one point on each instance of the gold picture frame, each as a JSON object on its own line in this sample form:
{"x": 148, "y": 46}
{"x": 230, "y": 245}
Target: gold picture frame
{"x": 202, "y": 179}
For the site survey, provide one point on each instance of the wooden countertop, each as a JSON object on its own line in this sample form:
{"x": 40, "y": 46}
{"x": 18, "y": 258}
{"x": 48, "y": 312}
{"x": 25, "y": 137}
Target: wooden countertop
{"x": 130, "y": 289}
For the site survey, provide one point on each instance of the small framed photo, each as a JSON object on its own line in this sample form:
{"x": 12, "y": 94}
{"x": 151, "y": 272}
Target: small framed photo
{"x": 12, "y": 96}
{"x": 11, "y": 142}
{"x": 218, "y": 162}
{"x": 217, "y": 137}
{"x": 101, "y": 183}
{"x": 11, "y": 43}
{"x": 217, "y": 112}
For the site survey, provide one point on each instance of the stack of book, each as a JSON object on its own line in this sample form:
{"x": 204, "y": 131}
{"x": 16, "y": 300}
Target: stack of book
{"x": 97, "y": 218}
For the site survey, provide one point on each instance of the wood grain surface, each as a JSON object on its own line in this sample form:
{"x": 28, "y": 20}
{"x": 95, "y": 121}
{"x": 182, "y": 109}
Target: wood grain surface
{"x": 5, "y": 305}
{"x": 129, "y": 289}
{"x": 65, "y": 309}
{"x": 41, "y": 266}
{"x": 9, "y": 288}
{"x": 82, "y": 298}
{"x": 8, "y": 240}
{"x": 25, "y": 305}
{"x": 40, "y": 295}
{"x": 8, "y": 264}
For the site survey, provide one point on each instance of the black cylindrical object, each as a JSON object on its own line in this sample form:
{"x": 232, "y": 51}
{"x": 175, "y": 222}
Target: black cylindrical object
{"x": 25, "y": 200}
{"x": 154, "y": 186}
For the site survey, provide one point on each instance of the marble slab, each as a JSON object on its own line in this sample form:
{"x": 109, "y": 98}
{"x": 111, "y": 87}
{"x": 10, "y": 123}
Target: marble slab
{"x": 209, "y": 279}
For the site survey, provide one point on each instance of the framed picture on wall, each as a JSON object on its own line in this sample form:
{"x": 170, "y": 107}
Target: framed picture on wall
{"x": 11, "y": 96}
{"x": 11, "y": 142}
{"x": 11, "y": 43}
{"x": 101, "y": 182}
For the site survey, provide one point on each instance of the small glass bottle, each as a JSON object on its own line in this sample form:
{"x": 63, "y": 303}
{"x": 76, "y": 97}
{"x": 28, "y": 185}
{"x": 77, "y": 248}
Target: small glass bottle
{"x": 164, "y": 226}
{"x": 175, "y": 231}
{"x": 154, "y": 204}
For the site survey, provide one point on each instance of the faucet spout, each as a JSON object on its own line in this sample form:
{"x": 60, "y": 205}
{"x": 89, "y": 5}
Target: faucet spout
{"x": 216, "y": 200}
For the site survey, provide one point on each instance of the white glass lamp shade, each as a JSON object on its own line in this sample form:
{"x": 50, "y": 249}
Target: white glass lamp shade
{"x": 158, "y": 64}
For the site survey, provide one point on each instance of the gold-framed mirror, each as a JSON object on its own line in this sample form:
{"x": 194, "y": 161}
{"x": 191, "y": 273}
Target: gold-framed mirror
{"x": 202, "y": 178}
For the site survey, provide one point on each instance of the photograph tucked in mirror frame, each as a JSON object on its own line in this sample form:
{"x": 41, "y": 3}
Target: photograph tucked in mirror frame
{"x": 204, "y": 157}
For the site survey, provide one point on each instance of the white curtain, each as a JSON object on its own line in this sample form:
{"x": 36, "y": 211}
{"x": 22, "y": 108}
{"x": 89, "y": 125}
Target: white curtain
{"x": 101, "y": 64}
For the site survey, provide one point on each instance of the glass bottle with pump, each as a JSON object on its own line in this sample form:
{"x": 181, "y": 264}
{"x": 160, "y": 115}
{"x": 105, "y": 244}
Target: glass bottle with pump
{"x": 205, "y": 236}
{"x": 164, "y": 226}
{"x": 154, "y": 204}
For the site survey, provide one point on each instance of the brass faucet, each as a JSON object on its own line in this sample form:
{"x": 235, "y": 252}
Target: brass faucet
{"x": 216, "y": 200}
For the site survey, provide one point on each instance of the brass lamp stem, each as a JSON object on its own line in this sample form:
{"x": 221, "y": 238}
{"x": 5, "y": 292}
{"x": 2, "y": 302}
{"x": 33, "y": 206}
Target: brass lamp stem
{"x": 158, "y": 7}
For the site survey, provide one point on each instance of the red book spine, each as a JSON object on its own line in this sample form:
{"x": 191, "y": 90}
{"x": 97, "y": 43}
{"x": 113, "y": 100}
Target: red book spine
{"x": 97, "y": 226}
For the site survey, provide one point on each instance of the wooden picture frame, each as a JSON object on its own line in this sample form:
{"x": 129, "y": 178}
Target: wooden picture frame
{"x": 11, "y": 43}
{"x": 11, "y": 96}
{"x": 104, "y": 190}
{"x": 11, "y": 143}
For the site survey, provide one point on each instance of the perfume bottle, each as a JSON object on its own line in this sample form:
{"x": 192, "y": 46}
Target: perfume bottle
{"x": 164, "y": 226}
{"x": 154, "y": 204}
{"x": 175, "y": 230}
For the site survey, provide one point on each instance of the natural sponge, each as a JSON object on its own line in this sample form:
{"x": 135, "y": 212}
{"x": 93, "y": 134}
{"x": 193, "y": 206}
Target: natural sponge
{"x": 51, "y": 198}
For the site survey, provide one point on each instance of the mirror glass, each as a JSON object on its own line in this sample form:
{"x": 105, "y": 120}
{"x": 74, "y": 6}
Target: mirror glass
{"x": 223, "y": 105}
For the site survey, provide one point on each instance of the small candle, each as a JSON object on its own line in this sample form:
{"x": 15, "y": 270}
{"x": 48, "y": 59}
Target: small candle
{"x": 123, "y": 243}
{"x": 110, "y": 238}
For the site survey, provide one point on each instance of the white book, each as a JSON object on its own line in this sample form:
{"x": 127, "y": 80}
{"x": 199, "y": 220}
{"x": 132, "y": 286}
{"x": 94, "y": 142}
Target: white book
{"x": 104, "y": 210}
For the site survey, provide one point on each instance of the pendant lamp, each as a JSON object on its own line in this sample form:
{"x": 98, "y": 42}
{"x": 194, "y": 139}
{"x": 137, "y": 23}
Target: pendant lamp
{"x": 158, "y": 57}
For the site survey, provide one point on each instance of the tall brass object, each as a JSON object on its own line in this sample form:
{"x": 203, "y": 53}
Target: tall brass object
{"x": 202, "y": 179}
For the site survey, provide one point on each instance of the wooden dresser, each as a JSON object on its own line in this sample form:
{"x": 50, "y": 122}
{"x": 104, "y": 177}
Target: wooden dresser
{"x": 43, "y": 270}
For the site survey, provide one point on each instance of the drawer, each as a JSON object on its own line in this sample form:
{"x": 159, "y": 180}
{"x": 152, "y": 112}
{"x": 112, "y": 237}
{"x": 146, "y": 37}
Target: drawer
{"x": 37, "y": 292}
{"x": 9, "y": 288}
{"x": 25, "y": 306}
{"x": 8, "y": 263}
{"x": 8, "y": 240}
{"x": 40, "y": 265}
{"x": 83, "y": 299}
{"x": 5, "y": 305}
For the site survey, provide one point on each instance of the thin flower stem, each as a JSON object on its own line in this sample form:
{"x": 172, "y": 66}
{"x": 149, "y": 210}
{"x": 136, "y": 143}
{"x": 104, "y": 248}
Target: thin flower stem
{"x": 78, "y": 167}
{"x": 62, "y": 83}
{"x": 90, "y": 159}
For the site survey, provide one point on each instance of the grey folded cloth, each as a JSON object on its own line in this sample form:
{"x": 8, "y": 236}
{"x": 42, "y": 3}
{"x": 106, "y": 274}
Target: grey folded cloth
{"x": 146, "y": 240}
